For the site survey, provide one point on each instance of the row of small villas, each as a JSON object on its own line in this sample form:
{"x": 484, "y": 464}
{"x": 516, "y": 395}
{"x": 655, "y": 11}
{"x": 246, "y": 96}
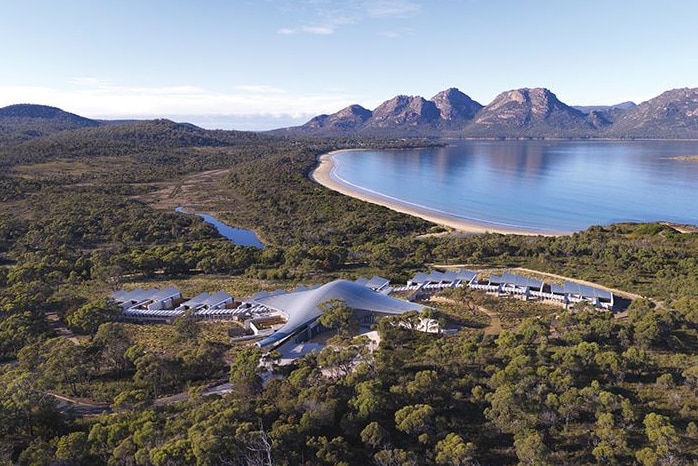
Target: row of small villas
{"x": 273, "y": 318}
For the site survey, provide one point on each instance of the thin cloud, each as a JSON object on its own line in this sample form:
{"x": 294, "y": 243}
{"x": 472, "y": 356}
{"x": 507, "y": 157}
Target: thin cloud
{"x": 97, "y": 97}
{"x": 390, "y": 34}
{"x": 90, "y": 81}
{"x": 392, "y": 8}
{"x": 326, "y": 17}
{"x": 319, "y": 30}
{"x": 261, "y": 89}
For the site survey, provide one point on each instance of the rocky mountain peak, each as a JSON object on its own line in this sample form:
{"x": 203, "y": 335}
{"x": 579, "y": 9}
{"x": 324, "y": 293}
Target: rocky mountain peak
{"x": 346, "y": 119}
{"x": 454, "y": 105}
{"x": 673, "y": 113}
{"x": 517, "y": 113}
{"x": 523, "y": 106}
{"x": 402, "y": 109}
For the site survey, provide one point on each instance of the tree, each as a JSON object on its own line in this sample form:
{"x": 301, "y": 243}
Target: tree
{"x": 612, "y": 439}
{"x": 186, "y": 327}
{"x": 335, "y": 452}
{"x": 453, "y": 450}
{"x": 111, "y": 343}
{"x": 336, "y": 315}
{"x": 38, "y": 453}
{"x": 369, "y": 399}
{"x": 64, "y": 362}
{"x": 244, "y": 371}
{"x": 89, "y": 317}
{"x": 152, "y": 373}
{"x": 662, "y": 434}
{"x": 395, "y": 457}
{"x": 530, "y": 449}
{"x": 72, "y": 448}
{"x": 415, "y": 419}
{"x": 172, "y": 453}
{"x": 691, "y": 378}
{"x": 375, "y": 435}
{"x": 339, "y": 360}
{"x": 26, "y": 410}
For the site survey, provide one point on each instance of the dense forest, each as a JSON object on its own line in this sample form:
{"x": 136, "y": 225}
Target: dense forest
{"x": 88, "y": 211}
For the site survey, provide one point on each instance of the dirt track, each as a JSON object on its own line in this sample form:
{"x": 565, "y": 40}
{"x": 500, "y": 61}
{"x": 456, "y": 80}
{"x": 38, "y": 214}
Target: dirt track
{"x": 200, "y": 189}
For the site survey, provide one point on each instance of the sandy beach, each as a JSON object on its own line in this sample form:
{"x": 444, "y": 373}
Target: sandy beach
{"x": 323, "y": 175}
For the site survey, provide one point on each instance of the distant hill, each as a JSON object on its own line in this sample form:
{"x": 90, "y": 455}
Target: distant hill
{"x": 22, "y": 122}
{"x": 147, "y": 138}
{"x": 347, "y": 119}
{"x": 518, "y": 113}
{"x": 605, "y": 108}
{"x": 402, "y": 115}
{"x": 673, "y": 114}
{"x": 602, "y": 116}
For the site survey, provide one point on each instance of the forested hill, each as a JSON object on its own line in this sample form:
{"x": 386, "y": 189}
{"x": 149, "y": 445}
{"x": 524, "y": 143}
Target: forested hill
{"x": 149, "y": 137}
{"x": 22, "y": 122}
{"x": 86, "y": 211}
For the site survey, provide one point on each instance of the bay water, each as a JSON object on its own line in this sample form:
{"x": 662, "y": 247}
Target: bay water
{"x": 546, "y": 186}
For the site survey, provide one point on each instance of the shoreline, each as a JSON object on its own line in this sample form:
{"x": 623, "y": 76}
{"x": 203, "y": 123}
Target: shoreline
{"x": 322, "y": 174}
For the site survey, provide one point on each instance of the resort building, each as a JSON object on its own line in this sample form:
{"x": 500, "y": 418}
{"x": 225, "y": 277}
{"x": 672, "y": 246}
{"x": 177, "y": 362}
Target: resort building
{"x": 303, "y": 308}
{"x": 208, "y": 305}
{"x": 154, "y": 305}
{"x": 435, "y": 280}
{"x": 279, "y": 316}
{"x": 511, "y": 284}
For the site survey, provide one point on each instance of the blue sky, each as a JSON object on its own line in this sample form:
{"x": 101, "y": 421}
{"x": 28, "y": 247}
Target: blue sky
{"x": 270, "y": 63}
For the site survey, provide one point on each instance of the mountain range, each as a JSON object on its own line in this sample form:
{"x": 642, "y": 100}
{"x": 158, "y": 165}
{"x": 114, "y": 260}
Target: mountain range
{"x": 518, "y": 113}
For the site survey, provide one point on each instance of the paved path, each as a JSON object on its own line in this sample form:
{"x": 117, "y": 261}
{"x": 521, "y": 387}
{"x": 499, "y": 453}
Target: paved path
{"x": 80, "y": 407}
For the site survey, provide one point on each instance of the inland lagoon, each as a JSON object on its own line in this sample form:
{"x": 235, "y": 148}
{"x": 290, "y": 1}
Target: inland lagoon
{"x": 239, "y": 236}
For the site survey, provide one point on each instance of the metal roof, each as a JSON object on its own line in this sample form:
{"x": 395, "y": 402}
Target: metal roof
{"x": 579, "y": 289}
{"x": 465, "y": 275}
{"x": 420, "y": 277}
{"x": 302, "y": 308}
{"x": 377, "y": 282}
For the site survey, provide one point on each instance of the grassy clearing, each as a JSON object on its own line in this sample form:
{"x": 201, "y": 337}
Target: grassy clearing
{"x": 76, "y": 168}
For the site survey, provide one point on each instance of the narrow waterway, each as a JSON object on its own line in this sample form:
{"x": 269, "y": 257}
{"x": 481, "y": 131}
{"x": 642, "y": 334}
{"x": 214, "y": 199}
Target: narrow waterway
{"x": 239, "y": 236}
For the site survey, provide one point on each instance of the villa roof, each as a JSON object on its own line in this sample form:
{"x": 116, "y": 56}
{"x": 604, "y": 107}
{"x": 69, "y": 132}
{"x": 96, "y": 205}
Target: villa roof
{"x": 139, "y": 295}
{"x": 465, "y": 275}
{"x": 207, "y": 299}
{"x": 376, "y": 283}
{"x": 586, "y": 291}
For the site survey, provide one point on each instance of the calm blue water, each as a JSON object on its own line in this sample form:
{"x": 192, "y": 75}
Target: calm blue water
{"x": 238, "y": 236}
{"x": 538, "y": 185}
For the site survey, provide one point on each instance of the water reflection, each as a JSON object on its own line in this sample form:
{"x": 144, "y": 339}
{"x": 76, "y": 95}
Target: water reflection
{"x": 239, "y": 236}
{"x": 549, "y": 185}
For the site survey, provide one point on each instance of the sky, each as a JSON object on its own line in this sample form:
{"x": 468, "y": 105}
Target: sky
{"x": 263, "y": 64}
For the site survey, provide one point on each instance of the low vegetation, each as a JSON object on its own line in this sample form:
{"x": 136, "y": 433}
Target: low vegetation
{"x": 548, "y": 387}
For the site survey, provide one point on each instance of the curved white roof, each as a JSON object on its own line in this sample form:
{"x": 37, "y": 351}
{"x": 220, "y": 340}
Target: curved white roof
{"x": 301, "y": 307}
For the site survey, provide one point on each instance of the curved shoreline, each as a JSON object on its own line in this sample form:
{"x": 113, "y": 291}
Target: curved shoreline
{"x": 323, "y": 174}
